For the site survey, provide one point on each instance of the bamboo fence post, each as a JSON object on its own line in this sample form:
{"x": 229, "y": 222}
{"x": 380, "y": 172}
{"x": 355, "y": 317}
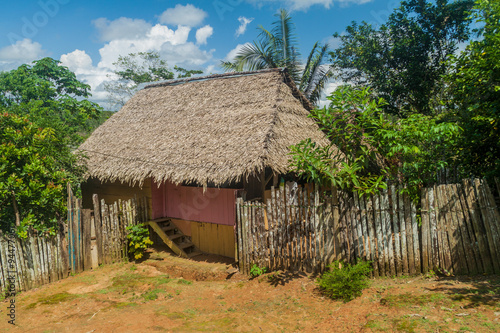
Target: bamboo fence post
{"x": 488, "y": 229}
{"x": 478, "y": 227}
{"x": 378, "y": 230}
{"x": 444, "y": 249}
{"x": 416, "y": 243}
{"x": 98, "y": 228}
{"x": 395, "y": 225}
{"x": 425, "y": 230}
{"x": 409, "y": 234}
{"x": 356, "y": 214}
{"x": 467, "y": 257}
{"x": 388, "y": 241}
{"x": 490, "y": 218}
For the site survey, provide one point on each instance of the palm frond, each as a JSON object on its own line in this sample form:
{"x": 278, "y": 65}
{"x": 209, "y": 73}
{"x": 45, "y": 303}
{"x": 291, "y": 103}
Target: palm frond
{"x": 306, "y": 74}
{"x": 251, "y": 57}
{"x": 316, "y": 74}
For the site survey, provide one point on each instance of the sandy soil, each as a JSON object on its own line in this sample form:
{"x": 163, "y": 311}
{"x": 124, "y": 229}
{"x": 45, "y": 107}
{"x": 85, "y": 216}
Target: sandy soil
{"x": 168, "y": 294}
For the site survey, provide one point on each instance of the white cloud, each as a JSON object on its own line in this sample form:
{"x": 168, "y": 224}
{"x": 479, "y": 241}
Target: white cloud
{"x": 80, "y": 63}
{"x": 183, "y": 15}
{"x": 234, "y": 52}
{"x": 22, "y": 51}
{"x": 121, "y": 28}
{"x": 202, "y": 34}
{"x": 329, "y": 88}
{"x": 77, "y": 60}
{"x": 243, "y": 25}
{"x": 186, "y": 55}
{"x": 333, "y": 42}
{"x": 172, "y": 45}
{"x": 151, "y": 41}
{"x": 305, "y": 4}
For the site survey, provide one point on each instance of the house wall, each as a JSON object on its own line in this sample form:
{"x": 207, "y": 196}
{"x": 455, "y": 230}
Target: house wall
{"x": 112, "y": 191}
{"x": 209, "y": 237}
{"x": 216, "y": 205}
{"x": 208, "y": 218}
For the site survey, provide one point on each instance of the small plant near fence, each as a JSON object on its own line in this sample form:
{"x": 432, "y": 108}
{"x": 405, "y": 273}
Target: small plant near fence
{"x": 344, "y": 281}
{"x": 257, "y": 271}
{"x": 138, "y": 240}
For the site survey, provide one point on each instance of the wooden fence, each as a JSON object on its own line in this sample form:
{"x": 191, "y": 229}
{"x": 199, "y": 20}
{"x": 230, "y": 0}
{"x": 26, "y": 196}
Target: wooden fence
{"x": 99, "y": 236}
{"x": 90, "y": 238}
{"x": 29, "y": 263}
{"x": 455, "y": 230}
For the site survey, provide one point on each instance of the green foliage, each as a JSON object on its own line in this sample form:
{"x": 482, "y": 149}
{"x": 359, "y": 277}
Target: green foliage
{"x": 257, "y": 271}
{"x": 368, "y": 147}
{"x": 45, "y": 115}
{"x": 404, "y": 59}
{"x": 475, "y": 85}
{"x": 138, "y": 240}
{"x": 33, "y": 175}
{"x": 50, "y": 96}
{"x": 136, "y": 68}
{"x": 344, "y": 281}
{"x": 350, "y": 161}
{"x": 278, "y": 48}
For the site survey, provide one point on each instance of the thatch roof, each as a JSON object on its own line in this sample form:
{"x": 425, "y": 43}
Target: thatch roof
{"x": 215, "y": 129}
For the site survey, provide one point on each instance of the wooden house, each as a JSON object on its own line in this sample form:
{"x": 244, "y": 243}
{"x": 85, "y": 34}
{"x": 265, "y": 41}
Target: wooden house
{"x": 190, "y": 145}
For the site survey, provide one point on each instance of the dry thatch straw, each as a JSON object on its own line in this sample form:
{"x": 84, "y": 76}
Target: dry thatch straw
{"x": 215, "y": 129}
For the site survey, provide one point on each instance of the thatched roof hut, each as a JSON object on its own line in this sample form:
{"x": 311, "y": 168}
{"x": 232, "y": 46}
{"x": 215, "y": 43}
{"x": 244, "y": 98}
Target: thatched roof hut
{"x": 214, "y": 129}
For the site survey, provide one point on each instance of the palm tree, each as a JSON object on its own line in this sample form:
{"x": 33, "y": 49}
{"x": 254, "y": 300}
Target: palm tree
{"x": 278, "y": 48}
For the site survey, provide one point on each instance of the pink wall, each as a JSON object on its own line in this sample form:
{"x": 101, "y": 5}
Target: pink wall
{"x": 216, "y": 205}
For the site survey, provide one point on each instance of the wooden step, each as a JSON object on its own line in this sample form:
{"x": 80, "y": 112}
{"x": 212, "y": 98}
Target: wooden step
{"x": 162, "y": 220}
{"x": 194, "y": 254}
{"x": 168, "y": 228}
{"x": 175, "y": 236}
{"x": 176, "y": 241}
{"x": 185, "y": 245}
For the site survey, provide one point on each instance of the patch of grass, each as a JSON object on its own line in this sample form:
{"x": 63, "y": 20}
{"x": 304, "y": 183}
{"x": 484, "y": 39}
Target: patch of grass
{"x": 182, "y": 281}
{"x": 129, "y": 282}
{"x": 53, "y": 299}
{"x": 407, "y": 299}
{"x": 88, "y": 279}
{"x": 405, "y": 325}
{"x": 57, "y": 298}
{"x": 216, "y": 325}
{"x": 174, "y": 315}
{"x": 151, "y": 295}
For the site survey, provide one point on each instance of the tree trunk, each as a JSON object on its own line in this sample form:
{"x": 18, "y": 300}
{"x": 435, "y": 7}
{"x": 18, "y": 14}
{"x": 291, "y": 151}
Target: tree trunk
{"x": 16, "y": 210}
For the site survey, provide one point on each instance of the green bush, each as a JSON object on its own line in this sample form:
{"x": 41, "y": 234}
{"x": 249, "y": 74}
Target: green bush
{"x": 257, "y": 271}
{"x": 345, "y": 281}
{"x": 138, "y": 240}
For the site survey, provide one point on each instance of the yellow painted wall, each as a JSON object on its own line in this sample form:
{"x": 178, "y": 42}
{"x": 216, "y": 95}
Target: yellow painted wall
{"x": 213, "y": 238}
{"x": 184, "y": 226}
{"x": 112, "y": 191}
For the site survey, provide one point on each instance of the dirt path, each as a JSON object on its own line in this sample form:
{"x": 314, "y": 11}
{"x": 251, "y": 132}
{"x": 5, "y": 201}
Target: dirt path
{"x": 169, "y": 294}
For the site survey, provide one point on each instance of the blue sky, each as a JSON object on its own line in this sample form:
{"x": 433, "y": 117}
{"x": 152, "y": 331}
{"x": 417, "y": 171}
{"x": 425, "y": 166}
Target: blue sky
{"x": 88, "y": 36}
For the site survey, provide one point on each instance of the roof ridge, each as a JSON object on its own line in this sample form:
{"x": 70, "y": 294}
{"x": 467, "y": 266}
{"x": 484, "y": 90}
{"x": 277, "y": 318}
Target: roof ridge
{"x": 213, "y": 76}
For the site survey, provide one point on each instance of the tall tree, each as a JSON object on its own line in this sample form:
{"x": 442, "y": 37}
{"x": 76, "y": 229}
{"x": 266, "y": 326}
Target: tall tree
{"x": 44, "y": 115}
{"x": 136, "y": 68}
{"x": 278, "y": 48}
{"x": 475, "y": 86}
{"x": 404, "y": 60}
{"x": 35, "y": 166}
{"x": 51, "y": 96}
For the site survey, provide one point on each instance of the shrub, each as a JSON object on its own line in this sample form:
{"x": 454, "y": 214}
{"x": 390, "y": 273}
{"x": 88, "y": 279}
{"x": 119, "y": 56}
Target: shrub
{"x": 138, "y": 240}
{"x": 257, "y": 271}
{"x": 345, "y": 281}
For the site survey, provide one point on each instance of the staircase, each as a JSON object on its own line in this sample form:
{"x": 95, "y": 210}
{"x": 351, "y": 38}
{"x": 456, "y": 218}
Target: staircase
{"x": 174, "y": 238}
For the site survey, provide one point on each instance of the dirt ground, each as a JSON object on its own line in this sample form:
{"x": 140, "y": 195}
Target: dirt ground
{"x": 168, "y": 294}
